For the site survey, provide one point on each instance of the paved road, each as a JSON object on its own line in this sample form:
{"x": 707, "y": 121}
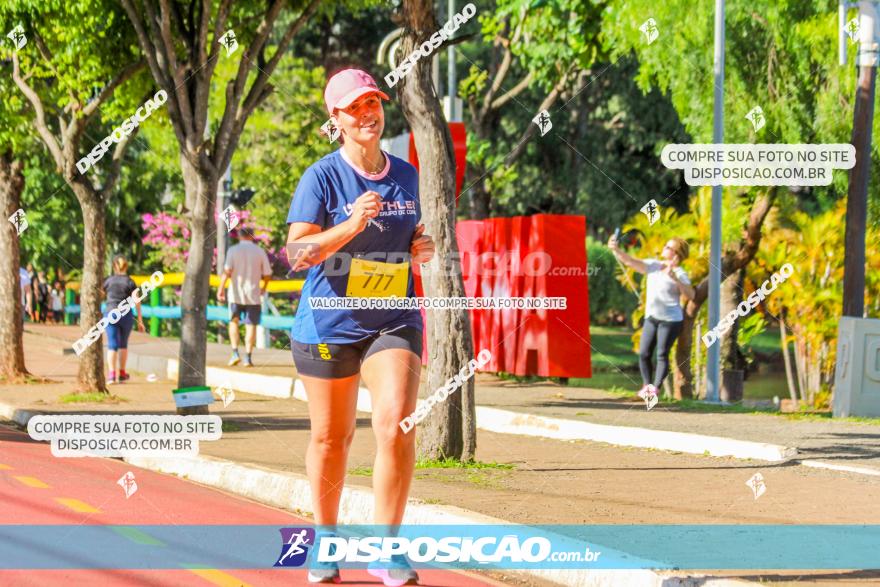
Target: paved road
{"x": 39, "y": 489}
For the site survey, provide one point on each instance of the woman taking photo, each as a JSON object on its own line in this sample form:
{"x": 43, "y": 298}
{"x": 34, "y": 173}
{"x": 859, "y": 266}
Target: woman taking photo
{"x": 667, "y": 282}
{"x": 354, "y": 203}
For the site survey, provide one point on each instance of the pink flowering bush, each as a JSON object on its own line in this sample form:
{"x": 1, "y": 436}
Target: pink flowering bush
{"x": 167, "y": 238}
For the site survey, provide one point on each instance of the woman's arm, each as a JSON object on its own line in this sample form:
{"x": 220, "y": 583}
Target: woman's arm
{"x": 137, "y": 307}
{"x": 686, "y": 290}
{"x": 140, "y": 320}
{"x": 627, "y": 260}
{"x": 327, "y": 242}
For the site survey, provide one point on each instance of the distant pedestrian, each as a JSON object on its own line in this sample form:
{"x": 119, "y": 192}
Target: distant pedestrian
{"x": 31, "y": 303}
{"x": 24, "y": 281}
{"x": 41, "y": 297}
{"x": 667, "y": 283}
{"x": 117, "y": 288}
{"x": 248, "y": 273}
{"x": 56, "y": 297}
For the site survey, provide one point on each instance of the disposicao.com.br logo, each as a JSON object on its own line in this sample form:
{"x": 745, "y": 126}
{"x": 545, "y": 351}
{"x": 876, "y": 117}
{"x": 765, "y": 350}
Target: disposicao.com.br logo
{"x": 442, "y": 546}
{"x": 295, "y": 544}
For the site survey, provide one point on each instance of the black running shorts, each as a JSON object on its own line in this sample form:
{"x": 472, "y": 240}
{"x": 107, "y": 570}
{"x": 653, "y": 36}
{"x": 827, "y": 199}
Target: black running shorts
{"x": 251, "y": 313}
{"x": 335, "y": 361}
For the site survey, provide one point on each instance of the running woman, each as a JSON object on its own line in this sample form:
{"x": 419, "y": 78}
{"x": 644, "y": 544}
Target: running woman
{"x": 355, "y": 213}
{"x": 667, "y": 282}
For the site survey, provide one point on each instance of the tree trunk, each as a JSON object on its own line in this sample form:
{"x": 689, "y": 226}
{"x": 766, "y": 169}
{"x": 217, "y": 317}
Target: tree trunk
{"x": 732, "y": 260}
{"x": 732, "y": 360}
{"x": 480, "y": 198}
{"x": 799, "y": 366}
{"x": 699, "y": 379}
{"x": 731, "y": 357}
{"x": 201, "y": 194}
{"x": 11, "y": 329}
{"x": 783, "y": 339}
{"x": 91, "y": 361}
{"x": 682, "y": 374}
{"x": 450, "y": 430}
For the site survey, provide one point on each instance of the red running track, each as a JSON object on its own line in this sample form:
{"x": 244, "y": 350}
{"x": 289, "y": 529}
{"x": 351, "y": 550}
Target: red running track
{"x": 38, "y": 488}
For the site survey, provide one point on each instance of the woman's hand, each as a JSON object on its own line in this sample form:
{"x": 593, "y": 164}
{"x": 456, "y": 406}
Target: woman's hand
{"x": 612, "y": 243}
{"x": 422, "y": 246}
{"x": 669, "y": 268}
{"x": 141, "y": 327}
{"x": 365, "y": 208}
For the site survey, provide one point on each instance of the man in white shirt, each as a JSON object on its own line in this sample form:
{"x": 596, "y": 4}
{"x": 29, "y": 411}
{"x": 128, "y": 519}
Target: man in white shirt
{"x": 248, "y": 272}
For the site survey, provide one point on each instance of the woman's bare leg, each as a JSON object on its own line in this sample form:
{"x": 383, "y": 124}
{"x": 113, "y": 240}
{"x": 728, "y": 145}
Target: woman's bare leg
{"x": 332, "y": 406}
{"x": 392, "y": 376}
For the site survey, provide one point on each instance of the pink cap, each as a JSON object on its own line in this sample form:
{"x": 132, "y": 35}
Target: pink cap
{"x": 347, "y": 86}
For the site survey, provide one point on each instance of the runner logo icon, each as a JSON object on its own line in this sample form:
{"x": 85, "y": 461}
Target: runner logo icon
{"x": 295, "y": 543}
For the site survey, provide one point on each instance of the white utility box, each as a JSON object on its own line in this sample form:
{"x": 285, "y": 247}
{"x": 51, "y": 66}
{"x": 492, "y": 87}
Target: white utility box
{"x": 857, "y": 373}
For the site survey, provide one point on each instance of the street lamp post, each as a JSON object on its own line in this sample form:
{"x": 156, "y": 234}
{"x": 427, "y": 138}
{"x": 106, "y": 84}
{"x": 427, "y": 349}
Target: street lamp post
{"x": 224, "y": 194}
{"x": 713, "y": 360}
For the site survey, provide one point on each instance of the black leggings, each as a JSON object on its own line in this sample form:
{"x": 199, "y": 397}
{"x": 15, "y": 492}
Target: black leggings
{"x": 656, "y": 333}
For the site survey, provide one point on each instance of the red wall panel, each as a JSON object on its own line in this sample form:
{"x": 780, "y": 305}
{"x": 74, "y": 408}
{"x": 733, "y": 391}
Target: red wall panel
{"x": 508, "y": 257}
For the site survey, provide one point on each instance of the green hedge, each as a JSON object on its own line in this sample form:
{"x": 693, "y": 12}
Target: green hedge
{"x": 610, "y": 301}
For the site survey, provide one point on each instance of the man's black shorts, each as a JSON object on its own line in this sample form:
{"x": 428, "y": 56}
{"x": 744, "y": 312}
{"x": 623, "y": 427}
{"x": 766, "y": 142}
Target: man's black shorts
{"x": 251, "y": 313}
{"x": 335, "y": 361}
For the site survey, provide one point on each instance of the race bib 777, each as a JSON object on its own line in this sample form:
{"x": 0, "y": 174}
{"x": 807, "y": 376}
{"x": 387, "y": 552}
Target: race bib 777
{"x": 375, "y": 279}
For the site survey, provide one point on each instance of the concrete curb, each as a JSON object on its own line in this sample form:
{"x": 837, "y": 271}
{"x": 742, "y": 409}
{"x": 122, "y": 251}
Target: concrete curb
{"x": 17, "y": 415}
{"x": 843, "y": 468}
{"x": 255, "y": 383}
{"x": 507, "y": 422}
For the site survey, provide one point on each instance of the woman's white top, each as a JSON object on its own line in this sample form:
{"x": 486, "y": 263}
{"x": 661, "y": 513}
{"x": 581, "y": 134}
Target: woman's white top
{"x": 663, "y": 297}
{"x": 57, "y": 300}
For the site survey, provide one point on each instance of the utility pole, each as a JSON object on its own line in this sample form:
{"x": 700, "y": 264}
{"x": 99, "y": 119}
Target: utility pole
{"x": 857, "y": 195}
{"x": 450, "y": 70}
{"x": 224, "y": 195}
{"x": 713, "y": 360}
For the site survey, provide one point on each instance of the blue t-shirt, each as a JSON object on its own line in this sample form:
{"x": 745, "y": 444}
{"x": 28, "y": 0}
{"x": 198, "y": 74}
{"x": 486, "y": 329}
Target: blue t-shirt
{"x": 324, "y": 196}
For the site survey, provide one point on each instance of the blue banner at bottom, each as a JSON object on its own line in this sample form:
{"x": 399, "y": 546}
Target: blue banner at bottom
{"x": 707, "y": 547}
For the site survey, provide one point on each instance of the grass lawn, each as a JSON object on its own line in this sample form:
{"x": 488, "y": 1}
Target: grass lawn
{"x": 612, "y": 349}
{"x": 615, "y": 364}
{"x": 767, "y": 343}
